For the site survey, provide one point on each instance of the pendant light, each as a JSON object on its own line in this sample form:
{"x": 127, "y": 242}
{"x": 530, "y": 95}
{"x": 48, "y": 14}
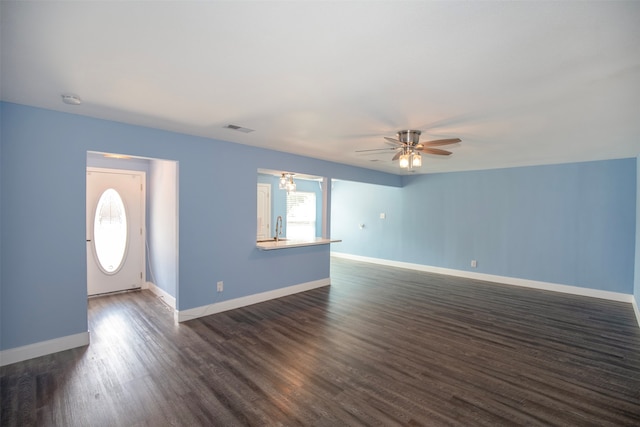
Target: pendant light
{"x": 286, "y": 182}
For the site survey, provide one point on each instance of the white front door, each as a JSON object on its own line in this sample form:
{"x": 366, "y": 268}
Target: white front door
{"x": 264, "y": 211}
{"x": 115, "y": 230}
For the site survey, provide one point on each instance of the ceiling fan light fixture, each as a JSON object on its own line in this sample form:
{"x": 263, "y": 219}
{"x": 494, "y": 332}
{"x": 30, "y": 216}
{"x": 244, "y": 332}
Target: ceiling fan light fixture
{"x": 416, "y": 160}
{"x": 404, "y": 161}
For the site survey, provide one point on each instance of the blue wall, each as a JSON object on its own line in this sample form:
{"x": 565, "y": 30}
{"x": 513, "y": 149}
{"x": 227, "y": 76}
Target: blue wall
{"x": 42, "y": 177}
{"x": 571, "y": 224}
{"x": 162, "y": 226}
{"x": 636, "y": 285}
{"x": 356, "y": 205}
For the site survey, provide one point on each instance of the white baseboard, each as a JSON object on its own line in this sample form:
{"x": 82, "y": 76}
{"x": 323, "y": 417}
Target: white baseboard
{"x": 164, "y": 296}
{"x": 555, "y": 287}
{"x": 206, "y": 310}
{"x": 26, "y": 352}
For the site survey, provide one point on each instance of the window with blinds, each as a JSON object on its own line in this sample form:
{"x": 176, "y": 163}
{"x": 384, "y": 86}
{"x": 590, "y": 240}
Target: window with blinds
{"x": 301, "y": 215}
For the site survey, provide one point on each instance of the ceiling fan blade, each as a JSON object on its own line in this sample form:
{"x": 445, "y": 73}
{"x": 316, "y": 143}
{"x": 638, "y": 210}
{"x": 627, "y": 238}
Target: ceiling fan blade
{"x": 375, "y": 149}
{"x": 397, "y": 156}
{"x": 435, "y": 151}
{"x": 395, "y": 144}
{"x": 393, "y": 141}
{"x": 438, "y": 142}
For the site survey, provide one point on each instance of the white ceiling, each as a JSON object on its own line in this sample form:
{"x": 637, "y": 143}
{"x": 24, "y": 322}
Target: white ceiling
{"x": 521, "y": 83}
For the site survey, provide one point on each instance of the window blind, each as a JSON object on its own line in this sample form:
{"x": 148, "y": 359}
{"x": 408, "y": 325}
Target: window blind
{"x": 301, "y": 215}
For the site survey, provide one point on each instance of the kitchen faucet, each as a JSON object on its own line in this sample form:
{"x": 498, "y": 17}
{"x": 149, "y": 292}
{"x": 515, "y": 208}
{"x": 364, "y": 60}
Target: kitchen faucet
{"x": 278, "y": 228}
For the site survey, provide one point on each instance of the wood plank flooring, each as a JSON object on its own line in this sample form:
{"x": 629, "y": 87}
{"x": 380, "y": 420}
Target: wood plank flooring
{"x": 381, "y": 347}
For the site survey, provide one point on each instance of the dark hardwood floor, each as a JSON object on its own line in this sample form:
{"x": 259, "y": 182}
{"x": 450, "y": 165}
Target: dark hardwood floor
{"x": 381, "y": 346}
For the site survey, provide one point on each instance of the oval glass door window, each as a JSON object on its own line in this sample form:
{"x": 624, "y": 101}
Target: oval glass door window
{"x": 110, "y": 231}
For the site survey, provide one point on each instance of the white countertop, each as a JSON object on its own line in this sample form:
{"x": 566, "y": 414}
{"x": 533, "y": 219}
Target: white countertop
{"x": 286, "y": 244}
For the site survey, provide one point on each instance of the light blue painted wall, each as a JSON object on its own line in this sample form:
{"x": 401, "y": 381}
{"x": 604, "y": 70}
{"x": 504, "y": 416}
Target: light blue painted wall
{"x": 43, "y": 262}
{"x": 355, "y": 204}
{"x": 162, "y": 232}
{"x": 2, "y": 135}
{"x": 636, "y": 284}
{"x": 571, "y": 224}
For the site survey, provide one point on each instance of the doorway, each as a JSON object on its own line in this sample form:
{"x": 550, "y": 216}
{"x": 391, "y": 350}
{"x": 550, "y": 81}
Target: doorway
{"x": 115, "y": 213}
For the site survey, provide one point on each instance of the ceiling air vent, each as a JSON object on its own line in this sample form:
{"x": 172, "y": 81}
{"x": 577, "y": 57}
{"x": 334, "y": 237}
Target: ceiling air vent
{"x": 70, "y": 99}
{"x": 239, "y": 128}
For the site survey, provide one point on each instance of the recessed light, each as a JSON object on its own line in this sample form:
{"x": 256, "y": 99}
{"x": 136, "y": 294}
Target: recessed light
{"x": 71, "y": 99}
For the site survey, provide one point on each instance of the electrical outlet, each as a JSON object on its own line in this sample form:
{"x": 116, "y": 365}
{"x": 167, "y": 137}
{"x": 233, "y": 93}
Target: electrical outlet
{"x": 474, "y": 263}
{"x": 220, "y": 286}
